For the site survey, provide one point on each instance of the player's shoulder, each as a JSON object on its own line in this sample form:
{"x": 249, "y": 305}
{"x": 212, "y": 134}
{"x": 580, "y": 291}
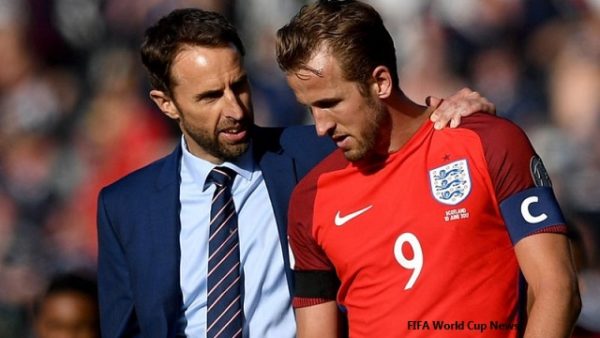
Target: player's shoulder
{"x": 491, "y": 124}
{"x": 495, "y": 130}
{"x": 304, "y": 194}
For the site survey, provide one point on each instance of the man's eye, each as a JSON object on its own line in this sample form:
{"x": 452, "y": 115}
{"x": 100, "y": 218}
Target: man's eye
{"x": 326, "y": 104}
{"x": 209, "y": 97}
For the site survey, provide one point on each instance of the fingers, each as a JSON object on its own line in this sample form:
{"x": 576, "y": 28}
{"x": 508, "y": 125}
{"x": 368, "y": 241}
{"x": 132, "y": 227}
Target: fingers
{"x": 455, "y": 121}
{"x": 487, "y": 106}
{"x": 433, "y": 101}
{"x": 465, "y": 102}
{"x": 465, "y": 92}
{"x": 449, "y": 111}
{"x": 478, "y": 102}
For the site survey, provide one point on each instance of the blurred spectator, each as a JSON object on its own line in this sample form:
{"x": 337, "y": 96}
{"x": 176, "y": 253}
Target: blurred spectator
{"x": 126, "y": 20}
{"x": 21, "y": 269}
{"x": 588, "y": 324}
{"x": 567, "y": 138}
{"x": 74, "y": 114}
{"x": 586, "y": 236}
{"x": 68, "y": 308}
{"x": 117, "y": 133}
{"x": 27, "y": 101}
{"x": 257, "y": 22}
{"x": 426, "y": 70}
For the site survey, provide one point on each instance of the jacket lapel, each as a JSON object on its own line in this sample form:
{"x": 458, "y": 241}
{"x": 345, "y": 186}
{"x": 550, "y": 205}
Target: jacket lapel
{"x": 164, "y": 253}
{"x": 280, "y": 179}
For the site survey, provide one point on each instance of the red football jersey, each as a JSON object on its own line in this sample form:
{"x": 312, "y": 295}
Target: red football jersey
{"x": 421, "y": 245}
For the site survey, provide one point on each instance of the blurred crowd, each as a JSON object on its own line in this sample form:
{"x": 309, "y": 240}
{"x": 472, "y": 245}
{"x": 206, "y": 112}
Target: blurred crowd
{"x": 75, "y": 114}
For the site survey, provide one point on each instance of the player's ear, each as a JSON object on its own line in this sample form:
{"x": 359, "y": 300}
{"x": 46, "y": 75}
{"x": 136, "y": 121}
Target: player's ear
{"x": 165, "y": 103}
{"x": 382, "y": 82}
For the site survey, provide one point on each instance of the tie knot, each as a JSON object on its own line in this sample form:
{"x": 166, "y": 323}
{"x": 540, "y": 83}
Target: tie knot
{"x": 221, "y": 176}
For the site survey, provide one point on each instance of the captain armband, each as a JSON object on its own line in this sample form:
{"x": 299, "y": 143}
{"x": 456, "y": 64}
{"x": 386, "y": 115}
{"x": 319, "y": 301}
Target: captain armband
{"x": 532, "y": 211}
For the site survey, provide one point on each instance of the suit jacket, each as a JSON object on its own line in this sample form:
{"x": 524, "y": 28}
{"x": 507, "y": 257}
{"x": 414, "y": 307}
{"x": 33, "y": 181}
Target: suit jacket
{"x": 139, "y": 225}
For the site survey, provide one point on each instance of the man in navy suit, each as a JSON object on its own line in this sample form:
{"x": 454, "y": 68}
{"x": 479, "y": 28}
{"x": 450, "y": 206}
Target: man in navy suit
{"x": 153, "y": 223}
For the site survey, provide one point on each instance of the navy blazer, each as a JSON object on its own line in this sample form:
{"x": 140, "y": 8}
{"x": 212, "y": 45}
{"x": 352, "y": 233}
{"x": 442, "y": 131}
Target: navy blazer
{"x": 139, "y": 225}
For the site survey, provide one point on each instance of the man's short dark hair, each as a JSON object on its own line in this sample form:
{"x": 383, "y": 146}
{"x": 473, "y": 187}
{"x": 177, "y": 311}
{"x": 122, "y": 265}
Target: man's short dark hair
{"x": 188, "y": 26}
{"x": 69, "y": 282}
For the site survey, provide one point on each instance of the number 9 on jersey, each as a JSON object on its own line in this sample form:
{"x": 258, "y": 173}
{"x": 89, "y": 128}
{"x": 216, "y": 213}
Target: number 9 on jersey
{"x": 416, "y": 263}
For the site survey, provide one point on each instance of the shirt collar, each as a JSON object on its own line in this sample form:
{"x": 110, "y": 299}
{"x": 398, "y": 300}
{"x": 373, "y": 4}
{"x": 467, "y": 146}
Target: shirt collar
{"x": 200, "y": 168}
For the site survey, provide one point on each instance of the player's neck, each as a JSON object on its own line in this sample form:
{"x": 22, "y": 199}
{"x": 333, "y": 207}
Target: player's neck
{"x": 406, "y": 118}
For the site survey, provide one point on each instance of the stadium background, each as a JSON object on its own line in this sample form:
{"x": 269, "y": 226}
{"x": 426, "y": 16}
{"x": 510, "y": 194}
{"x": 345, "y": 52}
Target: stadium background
{"x": 75, "y": 114}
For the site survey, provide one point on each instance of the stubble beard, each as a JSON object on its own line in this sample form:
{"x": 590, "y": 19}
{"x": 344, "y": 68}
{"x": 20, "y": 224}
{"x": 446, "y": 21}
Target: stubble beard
{"x": 370, "y": 138}
{"x": 210, "y": 142}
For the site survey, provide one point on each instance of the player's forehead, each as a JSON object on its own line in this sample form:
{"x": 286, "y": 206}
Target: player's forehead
{"x": 320, "y": 78}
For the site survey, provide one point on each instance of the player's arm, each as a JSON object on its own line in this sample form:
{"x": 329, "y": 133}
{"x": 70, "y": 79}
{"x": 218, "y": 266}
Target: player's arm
{"x": 316, "y": 282}
{"x": 317, "y": 312}
{"x": 318, "y": 321}
{"x": 451, "y": 109}
{"x": 536, "y": 227}
{"x": 554, "y": 303}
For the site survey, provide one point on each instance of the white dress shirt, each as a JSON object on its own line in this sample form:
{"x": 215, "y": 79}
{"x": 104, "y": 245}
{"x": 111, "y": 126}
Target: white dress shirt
{"x": 266, "y": 296}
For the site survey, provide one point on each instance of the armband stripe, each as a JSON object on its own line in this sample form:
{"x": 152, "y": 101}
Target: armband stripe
{"x": 556, "y": 229}
{"x": 299, "y": 302}
{"x": 317, "y": 284}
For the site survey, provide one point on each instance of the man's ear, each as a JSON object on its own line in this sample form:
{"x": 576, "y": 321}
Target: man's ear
{"x": 164, "y": 102}
{"x": 382, "y": 84}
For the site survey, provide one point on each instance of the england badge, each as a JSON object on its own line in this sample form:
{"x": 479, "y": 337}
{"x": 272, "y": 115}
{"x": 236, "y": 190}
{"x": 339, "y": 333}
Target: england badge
{"x": 451, "y": 183}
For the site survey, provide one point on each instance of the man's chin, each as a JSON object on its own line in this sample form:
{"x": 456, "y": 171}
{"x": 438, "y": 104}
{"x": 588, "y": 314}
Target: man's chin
{"x": 362, "y": 157}
{"x": 233, "y": 151}
{"x": 353, "y": 155}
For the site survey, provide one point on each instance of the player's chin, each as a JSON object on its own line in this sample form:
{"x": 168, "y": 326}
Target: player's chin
{"x": 364, "y": 153}
{"x": 353, "y": 155}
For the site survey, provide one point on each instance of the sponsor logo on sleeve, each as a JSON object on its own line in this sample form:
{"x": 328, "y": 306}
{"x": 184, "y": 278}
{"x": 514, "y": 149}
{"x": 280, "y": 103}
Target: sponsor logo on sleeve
{"x": 538, "y": 172}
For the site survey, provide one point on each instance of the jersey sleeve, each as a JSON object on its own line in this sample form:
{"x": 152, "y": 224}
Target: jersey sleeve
{"x": 315, "y": 278}
{"x": 521, "y": 183}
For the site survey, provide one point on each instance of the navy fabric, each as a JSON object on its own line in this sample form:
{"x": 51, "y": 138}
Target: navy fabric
{"x": 224, "y": 307}
{"x": 139, "y": 225}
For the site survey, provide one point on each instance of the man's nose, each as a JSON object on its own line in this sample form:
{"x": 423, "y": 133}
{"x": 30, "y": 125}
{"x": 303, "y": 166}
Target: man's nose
{"x": 323, "y": 122}
{"x": 234, "y": 108}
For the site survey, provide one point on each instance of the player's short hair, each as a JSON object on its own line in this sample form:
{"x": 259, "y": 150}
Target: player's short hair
{"x": 352, "y": 31}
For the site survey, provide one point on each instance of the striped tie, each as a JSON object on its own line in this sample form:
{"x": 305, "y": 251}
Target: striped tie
{"x": 224, "y": 308}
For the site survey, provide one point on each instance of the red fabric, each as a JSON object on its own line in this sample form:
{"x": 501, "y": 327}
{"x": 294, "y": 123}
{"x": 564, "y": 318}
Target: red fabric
{"x": 137, "y": 140}
{"x": 468, "y": 276}
{"x": 304, "y": 302}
